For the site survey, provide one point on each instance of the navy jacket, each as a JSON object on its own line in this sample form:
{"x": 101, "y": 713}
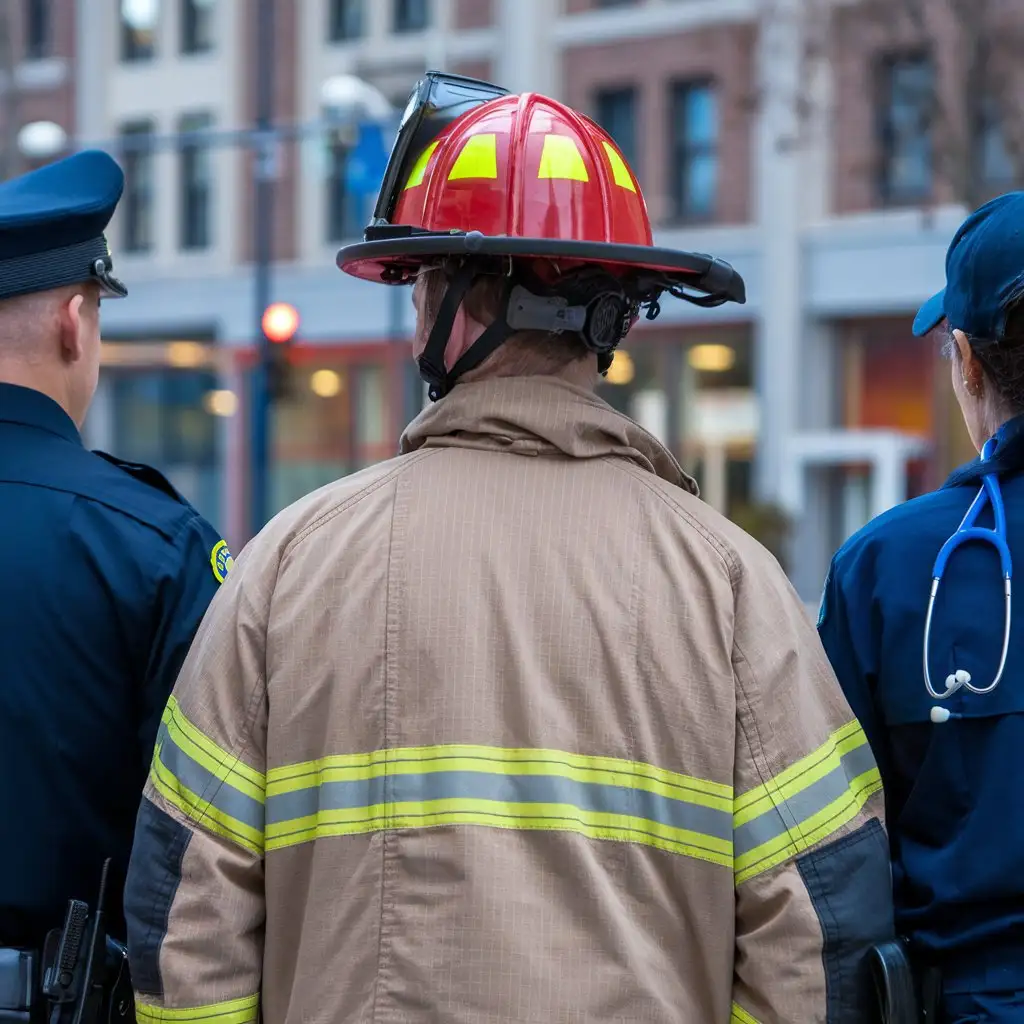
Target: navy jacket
{"x": 105, "y": 574}
{"x": 954, "y": 791}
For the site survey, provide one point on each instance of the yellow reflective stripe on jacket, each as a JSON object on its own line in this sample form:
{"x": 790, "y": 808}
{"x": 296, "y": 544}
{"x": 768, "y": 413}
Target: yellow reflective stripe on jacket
{"x": 805, "y": 803}
{"x": 740, "y": 1016}
{"x": 420, "y": 787}
{"x": 234, "y": 1011}
{"x": 210, "y": 786}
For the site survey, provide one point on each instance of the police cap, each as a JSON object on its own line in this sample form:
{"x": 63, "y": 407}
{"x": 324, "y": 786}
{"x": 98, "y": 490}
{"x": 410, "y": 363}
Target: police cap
{"x": 52, "y": 223}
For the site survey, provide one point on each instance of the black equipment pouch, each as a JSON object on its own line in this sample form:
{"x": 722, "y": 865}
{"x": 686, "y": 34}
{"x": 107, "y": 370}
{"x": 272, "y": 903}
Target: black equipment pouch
{"x": 894, "y": 984}
{"x": 19, "y": 969}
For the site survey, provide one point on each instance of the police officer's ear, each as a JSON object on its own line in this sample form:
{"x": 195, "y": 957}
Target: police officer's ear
{"x": 970, "y": 366}
{"x": 77, "y": 316}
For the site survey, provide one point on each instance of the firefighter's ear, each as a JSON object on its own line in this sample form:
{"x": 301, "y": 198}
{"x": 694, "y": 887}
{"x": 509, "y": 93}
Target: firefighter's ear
{"x": 465, "y": 330}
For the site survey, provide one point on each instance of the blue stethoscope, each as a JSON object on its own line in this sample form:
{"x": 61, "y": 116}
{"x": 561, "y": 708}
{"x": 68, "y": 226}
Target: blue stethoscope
{"x": 967, "y": 531}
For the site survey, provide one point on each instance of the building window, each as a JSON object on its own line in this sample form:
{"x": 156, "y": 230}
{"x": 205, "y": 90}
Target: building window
{"x": 139, "y": 19}
{"x": 137, "y": 204}
{"x": 197, "y": 17}
{"x": 411, "y": 15}
{"x": 196, "y": 183}
{"x": 997, "y": 167}
{"x": 37, "y": 29}
{"x": 905, "y": 118}
{"x": 344, "y": 209}
{"x": 694, "y": 150}
{"x": 345, "y": 20}
{"x": 616, "y": 114}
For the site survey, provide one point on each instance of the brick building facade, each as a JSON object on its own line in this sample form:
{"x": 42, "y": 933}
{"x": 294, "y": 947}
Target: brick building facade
{"x": 812, "y": 396}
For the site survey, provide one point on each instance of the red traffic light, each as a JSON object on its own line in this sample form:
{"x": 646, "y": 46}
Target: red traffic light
{"x": 280, "y": 322}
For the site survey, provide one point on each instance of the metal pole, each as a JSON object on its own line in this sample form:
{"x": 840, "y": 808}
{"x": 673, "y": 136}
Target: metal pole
{"x": 263, "y": 195}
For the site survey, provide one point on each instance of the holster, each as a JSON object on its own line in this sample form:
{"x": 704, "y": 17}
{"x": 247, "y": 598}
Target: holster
{"x": 894, "y": 984}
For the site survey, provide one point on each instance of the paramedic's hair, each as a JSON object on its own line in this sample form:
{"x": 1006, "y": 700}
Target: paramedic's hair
{"x": 1003, "y": 363}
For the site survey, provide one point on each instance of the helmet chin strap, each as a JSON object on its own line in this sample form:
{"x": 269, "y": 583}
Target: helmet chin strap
{"x": 594, "y": 307}
{"x": 432, "y": 365}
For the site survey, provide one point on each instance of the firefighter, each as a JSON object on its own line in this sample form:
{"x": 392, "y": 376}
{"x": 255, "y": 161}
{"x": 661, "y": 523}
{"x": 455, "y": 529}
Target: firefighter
{"x": 511, "y": 727}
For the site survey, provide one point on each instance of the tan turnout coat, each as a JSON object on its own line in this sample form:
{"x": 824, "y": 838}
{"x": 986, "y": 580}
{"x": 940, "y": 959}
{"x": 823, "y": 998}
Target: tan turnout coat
{"x": 510, "y": 728}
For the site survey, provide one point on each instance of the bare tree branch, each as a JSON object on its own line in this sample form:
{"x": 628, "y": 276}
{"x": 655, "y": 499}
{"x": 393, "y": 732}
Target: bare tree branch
{"x": 974, "y": 114}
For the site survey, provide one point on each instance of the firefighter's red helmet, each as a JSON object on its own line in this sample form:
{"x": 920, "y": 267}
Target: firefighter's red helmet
{"x": 481, "y": 181}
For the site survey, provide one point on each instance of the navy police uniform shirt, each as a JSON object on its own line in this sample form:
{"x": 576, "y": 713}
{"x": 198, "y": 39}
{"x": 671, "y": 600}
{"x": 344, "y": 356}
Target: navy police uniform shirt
{"x": 954, "y": 790}
{"x": 105, "y": 574}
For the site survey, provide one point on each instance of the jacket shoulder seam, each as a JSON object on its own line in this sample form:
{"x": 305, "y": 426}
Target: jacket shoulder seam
{"x": 725, "y": 554}
{"x": 353, "y": 499}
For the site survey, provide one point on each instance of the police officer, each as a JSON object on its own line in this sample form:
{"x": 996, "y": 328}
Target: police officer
{"x": 105, "y": 570}
{"x": 953, "y": 764}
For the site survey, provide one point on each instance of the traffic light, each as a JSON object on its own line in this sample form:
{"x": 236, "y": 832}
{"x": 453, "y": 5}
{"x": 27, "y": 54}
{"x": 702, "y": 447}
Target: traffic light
{"x": 280, "y": 325}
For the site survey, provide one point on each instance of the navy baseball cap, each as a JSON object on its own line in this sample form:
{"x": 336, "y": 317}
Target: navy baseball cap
{"x": 984, "y": 272}
{"x": 52, "y": 224}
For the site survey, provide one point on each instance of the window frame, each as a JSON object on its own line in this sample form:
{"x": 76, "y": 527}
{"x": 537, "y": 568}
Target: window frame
{"x": 130, "y": 51}
{"x": 612, "y": 92}
{"x": 337, "y": 20}
{"x": 38, "y": 29}
{"x": 190, "y": 42}
{"x": 401, "y": 25}
{"x": 887, "y": 192}
{"x": 133, "y": 156}
{"x": 683, "y": 152}
{"x": 191, "y": 154}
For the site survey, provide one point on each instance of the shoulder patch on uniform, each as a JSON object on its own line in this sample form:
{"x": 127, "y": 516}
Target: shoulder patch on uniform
{"x": 147, "y": 474}
{"x": 221, "y": 561}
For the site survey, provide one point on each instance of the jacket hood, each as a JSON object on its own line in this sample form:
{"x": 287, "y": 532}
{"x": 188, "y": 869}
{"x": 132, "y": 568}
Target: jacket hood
{"x": 540, "y": 416}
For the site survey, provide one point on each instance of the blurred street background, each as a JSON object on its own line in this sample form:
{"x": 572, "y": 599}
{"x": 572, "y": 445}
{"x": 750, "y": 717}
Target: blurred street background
{"x": 826, "y": 148}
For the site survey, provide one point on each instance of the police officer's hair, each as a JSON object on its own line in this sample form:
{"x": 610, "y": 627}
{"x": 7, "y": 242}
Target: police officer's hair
{"x": 1003, "y": 363}
{"x": 524, "y": 353}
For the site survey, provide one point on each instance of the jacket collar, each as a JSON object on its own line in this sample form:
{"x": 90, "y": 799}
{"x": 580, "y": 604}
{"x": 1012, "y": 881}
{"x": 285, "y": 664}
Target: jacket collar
{"x": 539, "y": 416}
{"x": 29, "y": 408}
{"x": 1008, "y": 457}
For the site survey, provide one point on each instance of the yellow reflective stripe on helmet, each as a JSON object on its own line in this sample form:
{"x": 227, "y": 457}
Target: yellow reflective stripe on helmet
{"x": 422, "y": 787}
{"x": 620, "y": 172}
{"x": 208, "y": 785}
{"x": 804, "y": 804}
{"x": 419, "y": 169}
{"x": 478, "y": 158}
{"x": 234, "y": 1011}
{"x": 561, "y": 158}
{"x": 740, "y": 1016}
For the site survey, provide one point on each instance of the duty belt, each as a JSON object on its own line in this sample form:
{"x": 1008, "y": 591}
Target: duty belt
{"x": 79, "y": 977}
{"x": 19, "y": 984}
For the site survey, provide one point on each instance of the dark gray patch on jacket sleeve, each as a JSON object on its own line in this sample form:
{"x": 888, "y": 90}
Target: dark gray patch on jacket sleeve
{"x": 153, "y": 879}
{"x": 850, "y": 885}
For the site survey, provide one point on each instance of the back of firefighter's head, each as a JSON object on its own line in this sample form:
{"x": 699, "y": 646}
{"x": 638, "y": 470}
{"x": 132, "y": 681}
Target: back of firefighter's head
{"x": 524, "y": 354}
